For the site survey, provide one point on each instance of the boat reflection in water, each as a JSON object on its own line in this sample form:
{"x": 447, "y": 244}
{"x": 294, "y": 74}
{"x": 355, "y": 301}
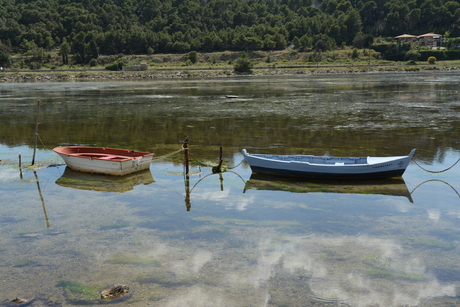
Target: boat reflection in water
{"x": 103, "y": 183}
{"x": 391, "y": 186}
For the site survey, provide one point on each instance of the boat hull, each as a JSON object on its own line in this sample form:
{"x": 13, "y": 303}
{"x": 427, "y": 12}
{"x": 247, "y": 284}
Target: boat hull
{"x": 294, "y": 173}
{"x": 108, "y": 161}
{"x": 328, "y": 167}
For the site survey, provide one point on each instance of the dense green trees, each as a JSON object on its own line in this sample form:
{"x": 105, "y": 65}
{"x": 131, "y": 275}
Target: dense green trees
{"x": 90, "y": 27}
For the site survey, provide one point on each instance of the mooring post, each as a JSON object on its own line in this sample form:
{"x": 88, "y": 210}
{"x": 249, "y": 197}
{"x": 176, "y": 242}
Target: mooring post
{"x": 217, "y": 169}
{"x": 186, "y": 161}
{"x": 20, "y": 166}
{"x": 185, "y": 146}
{"x": 36, "y": 132}
{"x": 188, "y": 205}
{"x": 220, "y": 158}
{"x": 43, "y": 201}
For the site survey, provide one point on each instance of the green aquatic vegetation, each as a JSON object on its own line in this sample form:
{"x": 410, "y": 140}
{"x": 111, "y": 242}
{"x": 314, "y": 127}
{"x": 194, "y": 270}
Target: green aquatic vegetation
{"x": 135, "y": 261}
{"x": 117, "y": 225}
{"x": 76, "y": 288}
{"x": 23, "y": 263}
{"x": 220, "y": 229}
{"x": 216, "y": 169}
{"x": 431, "y": 243}
{"x": 389, "y": 274}
{"x": 186, "y": 281}
{"x": 166, "y": 279}
{"x": 387, "y": 269}
{"x": 154, "y": 297}
{"x": 158, "y": 276}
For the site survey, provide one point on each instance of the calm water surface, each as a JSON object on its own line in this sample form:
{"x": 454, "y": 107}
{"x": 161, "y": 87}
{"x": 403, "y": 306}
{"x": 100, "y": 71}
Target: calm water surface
{"x": 232, "y": 239}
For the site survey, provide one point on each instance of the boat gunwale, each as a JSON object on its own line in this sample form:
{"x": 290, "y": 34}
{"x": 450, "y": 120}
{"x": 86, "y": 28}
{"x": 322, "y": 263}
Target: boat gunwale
{"x": 103, "y": 157}
{"x": 338, "y": 162}
{"x": 74, "y": 151}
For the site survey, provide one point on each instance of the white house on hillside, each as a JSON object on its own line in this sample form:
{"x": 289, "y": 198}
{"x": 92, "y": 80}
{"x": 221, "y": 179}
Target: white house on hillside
{"x": 428, "y": 39}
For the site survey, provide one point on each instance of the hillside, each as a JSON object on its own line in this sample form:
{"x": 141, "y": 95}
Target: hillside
{"x": 82, "y": 30}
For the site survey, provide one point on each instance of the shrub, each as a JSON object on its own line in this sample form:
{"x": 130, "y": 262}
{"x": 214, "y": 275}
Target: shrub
{"x": 374, "y": 54}
{"x": 412, "y": 55}
{"x": 93, "y": 63}
{"x": 355, "y": 54}
{"x": 193, "y": 56}
{"x": 35, "y": 65}
{"x": 431, "y": 60}
{"x": 5, "y": 59}
{"x": 115, "y": 66}
{"x": 243, "y": 64}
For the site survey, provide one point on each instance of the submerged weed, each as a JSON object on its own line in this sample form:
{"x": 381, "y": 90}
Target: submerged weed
{"x": 117, "y": 225}
{"x": 432, "y": 243}
{"x": 76, "y": 288}
{"x": 23, "y": 263}
{"x": 136, "y": 261}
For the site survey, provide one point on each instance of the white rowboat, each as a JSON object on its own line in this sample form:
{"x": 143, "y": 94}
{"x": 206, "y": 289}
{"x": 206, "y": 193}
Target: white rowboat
{"x": 100, "y": 160}
{"x": 308, "y": 166}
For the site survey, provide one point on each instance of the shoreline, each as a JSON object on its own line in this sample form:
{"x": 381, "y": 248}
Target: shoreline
{"x": 173, "y": 73}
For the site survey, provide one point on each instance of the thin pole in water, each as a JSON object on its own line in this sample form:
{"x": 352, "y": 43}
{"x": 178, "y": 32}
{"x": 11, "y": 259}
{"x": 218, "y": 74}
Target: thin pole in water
{"x": 187, "y": 177}
{"x": 36, "y": 132}
{"x": 41, "y": 198}
{"x": 20, "y": 166}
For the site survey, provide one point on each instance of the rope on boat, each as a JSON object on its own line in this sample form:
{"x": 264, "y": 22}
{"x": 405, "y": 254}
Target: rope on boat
{"x": 167, "y": 155}
{"x": 435, "y": 172}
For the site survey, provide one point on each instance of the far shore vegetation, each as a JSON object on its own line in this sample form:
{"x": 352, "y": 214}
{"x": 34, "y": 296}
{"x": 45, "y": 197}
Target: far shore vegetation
{"x": 288, "y": 61}
{"x": 227, "y": 36}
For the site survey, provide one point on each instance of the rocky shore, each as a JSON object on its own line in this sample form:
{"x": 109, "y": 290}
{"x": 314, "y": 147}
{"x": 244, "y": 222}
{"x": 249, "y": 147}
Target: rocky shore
{"x": 82, "y": 75}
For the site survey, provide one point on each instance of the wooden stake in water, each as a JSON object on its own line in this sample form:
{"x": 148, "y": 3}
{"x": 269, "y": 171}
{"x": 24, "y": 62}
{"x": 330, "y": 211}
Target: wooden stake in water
{"x": 185, "y": 146}
{"x": 187, "y": 178}
{"x": 41, "y": 198}
{"x": 36, "y": 132}
{"x": 188, "y": 205}
{"x": 20, "y": 166}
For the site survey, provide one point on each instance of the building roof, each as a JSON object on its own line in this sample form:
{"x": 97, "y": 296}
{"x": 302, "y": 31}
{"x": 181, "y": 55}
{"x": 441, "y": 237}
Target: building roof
{"x": 429, "y": 35}
{"x": 406, "y": 36}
